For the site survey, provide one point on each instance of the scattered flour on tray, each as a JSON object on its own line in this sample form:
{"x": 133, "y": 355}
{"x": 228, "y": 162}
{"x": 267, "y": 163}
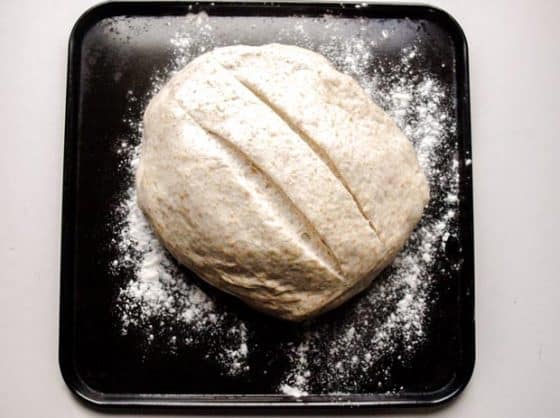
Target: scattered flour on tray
{"x": 387, "y": 323}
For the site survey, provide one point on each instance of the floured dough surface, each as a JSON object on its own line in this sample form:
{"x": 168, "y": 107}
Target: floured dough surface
{"x": 275, "y": 178}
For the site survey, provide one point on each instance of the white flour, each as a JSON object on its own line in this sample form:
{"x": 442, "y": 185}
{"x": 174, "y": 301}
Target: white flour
{"x": 389, "y": 320}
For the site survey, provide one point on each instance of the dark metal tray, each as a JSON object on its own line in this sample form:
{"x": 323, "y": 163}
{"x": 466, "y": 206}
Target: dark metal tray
{"x": 107, "y": 368}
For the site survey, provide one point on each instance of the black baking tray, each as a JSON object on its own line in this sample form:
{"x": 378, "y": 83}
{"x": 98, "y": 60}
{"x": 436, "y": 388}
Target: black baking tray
{"x": 102, "y": 368}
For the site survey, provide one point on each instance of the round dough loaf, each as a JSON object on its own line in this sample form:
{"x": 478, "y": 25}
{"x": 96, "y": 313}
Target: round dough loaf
{"x": 275, "y": 178}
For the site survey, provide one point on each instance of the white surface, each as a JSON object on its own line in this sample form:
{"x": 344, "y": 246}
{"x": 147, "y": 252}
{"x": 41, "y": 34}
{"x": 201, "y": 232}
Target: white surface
{"x": 515, "y": 63}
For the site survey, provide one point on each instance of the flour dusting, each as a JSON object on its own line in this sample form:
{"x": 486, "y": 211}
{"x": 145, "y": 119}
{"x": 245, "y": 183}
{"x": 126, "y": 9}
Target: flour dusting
{"x": 386, "y": 325}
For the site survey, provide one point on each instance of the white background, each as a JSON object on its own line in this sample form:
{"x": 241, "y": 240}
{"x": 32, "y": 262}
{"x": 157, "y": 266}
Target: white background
{"x": 515, "y": 68}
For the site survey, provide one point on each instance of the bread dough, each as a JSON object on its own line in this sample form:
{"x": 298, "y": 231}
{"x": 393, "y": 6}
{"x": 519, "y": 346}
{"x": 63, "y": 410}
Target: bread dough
{"x": 275, "y": 178}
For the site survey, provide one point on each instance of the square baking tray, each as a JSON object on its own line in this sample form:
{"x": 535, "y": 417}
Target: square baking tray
{"x": 103, "y": 366}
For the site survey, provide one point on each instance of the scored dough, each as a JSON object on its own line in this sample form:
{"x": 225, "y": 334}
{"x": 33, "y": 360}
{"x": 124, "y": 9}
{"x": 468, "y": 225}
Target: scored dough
{"x": 276, "y": 179}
